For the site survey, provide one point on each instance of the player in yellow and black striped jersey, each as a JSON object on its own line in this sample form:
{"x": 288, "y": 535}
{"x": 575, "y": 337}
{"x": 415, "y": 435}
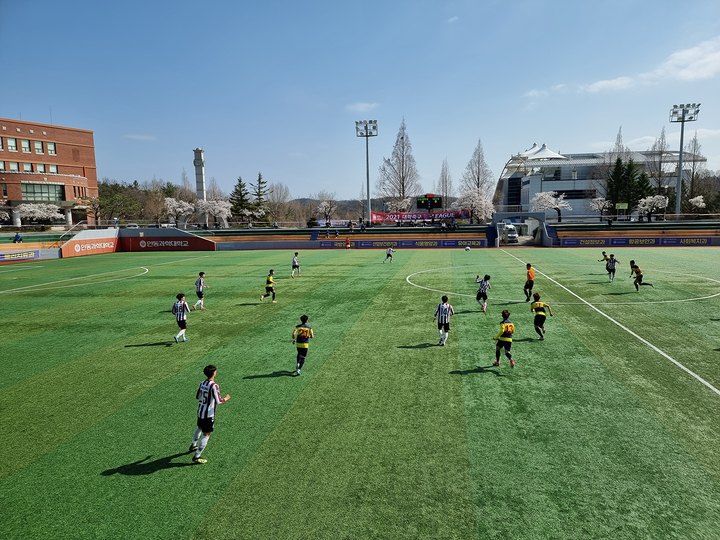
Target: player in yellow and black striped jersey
{"x": 504, "y": 339}
{"x": 635, "y": 269}
{"x": 301, "y": 339}
{"x": 541, "y": 310}
{"x": 270, "y": 286}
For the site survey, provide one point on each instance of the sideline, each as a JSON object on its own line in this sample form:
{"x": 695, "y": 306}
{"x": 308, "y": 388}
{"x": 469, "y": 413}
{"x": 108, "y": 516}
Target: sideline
{"x": 643, "y": 340}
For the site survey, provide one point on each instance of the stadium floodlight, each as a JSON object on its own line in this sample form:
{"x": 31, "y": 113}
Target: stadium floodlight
{"x": 367, "y": 129}
{"x": 683, "y": 113}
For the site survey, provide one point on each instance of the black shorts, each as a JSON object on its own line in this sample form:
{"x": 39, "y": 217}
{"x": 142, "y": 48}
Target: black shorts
{"x": 200, "y": 294}
{"x": 529, "y": 284}
{"x": 444, "y": 326}
{"x": 481, "y": 296}
{"x": 539, "y": 320}
{"x": 638, "y": 278}
{"x": 302, "y": 351}
{"x": 610, "y": 270}
{"x": 269, "y": 290}
{"x": 294, "y": 266}
{"x": 183, "y": 324}
{"x": 504, "y": 345}
{"x": 207, "y": 425}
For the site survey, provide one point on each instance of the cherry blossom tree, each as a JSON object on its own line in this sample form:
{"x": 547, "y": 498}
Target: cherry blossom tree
{"x": 477, "y": 201}
{"x": 217, "y": 208}
{"x": 550, "y": 200}
{"x": 600, "y": 204}
{"x": 652, "y": 204}
{"x": 400, "y": 205}
{"x": 177, "y": 208}
{"x": 40, "y": 211}
{"x": 697, "y": 203}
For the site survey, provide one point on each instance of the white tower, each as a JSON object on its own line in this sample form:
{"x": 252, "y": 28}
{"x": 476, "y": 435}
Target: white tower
{"x": 199, "y": 163}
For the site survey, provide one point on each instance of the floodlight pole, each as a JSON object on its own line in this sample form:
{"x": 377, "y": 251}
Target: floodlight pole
{"x": 683, "y": 113}
{"x": 367, "y": 129}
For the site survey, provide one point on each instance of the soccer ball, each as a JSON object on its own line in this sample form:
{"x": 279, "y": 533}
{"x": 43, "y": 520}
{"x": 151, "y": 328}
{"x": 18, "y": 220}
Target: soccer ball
{"x": 467, "y": 248}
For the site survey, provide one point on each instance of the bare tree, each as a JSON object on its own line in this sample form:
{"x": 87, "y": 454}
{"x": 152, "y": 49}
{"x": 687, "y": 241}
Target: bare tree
{"x": 213, "y": 191}
{"x": 398, "y": 177}
{"x": 328, "y": 205}
{"x": 278, "y": 201}
{"x": 444, "y": 186}
{"x": 693, "y": 153}
{"x": 602, "y": 171}
{"x": 659, "y": 162}
{"x": 186, "y": 192}
{"x": 477, "y": 175}
{"x": 362, "y": 201}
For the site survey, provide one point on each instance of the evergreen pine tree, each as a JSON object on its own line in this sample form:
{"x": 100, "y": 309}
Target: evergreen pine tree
{"x": 260, "y": 189}
{"x": 615, "y": 183}
{"x": 240, "y": 198}
{"x": 631, "y": 191}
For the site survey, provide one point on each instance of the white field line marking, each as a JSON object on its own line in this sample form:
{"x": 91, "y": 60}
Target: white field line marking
{"x": 20, "y": 268}
{"x": 567, "y": 303}
{"x": 35, "y": 287}
{"x": 41, "y": 286}
{"x": 643, "y": 340}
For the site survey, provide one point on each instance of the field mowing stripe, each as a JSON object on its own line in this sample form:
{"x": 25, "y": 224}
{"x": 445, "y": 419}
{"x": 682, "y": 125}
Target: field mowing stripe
{"x": 643, "y": 340}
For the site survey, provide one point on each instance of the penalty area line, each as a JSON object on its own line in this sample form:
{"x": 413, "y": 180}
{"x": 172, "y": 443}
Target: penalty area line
{"x": 640, "y": 338}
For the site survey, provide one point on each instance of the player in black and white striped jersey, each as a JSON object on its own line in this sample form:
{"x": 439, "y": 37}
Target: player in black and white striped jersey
{"x": 443, "y": 312}
{"x": 610, "y": 267}
{"x": 483, "y": 288}
{"x": 199, "y": 286}
{"x": 208, "y": 396}
{"x": 180, "y": 309}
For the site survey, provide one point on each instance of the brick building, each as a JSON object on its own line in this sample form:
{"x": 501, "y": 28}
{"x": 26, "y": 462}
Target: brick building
{"x": 40, "y": 163}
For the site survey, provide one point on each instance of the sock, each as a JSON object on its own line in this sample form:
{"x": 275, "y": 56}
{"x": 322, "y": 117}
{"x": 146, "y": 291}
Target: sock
{"x": 446, "y": 336}
{"x": 196, "y": 436}
{"x": 301, "y": 362}
{"x": 273, "y": 296}
{"x": 537, "y": 329}
{"x": 201, "y": 445}
{"x": 497, "y": 355}
{"x": 440, "y": 332}
{"x": 196, "y": 303}
{"x": 202, "y": 303}
{"x": 182, "y": 333}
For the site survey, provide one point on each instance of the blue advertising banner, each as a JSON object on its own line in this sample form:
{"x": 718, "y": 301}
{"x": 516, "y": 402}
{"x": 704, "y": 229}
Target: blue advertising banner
{"x": 584, "y": 242}
{"x": 410, "y": 244}
{"x": 20, "y": 255}
{"x": 687, "y": 241}
{"x": 634, "y": 242}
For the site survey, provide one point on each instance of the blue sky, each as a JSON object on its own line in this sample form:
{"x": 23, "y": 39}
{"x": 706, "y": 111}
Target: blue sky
{"x": 276, "y": 86}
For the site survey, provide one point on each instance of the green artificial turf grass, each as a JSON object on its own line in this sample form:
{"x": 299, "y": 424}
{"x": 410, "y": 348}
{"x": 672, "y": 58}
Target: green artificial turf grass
{"x": 594, "y": 435}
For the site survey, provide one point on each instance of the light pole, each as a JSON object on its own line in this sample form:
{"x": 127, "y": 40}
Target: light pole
{"x": 682, "y": 114}
{"x": 367, "y": 129}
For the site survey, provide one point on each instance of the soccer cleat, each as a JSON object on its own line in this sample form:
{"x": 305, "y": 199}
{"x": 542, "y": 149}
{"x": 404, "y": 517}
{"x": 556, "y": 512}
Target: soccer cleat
{"x": 198, "y": 460}
{"x": 177, "y": 340}
{"x": 541, "y": 339}
{"x": 653, "y": 286}
{"x": 496, "y": 363}
{"x": 184, "y": 339}
{"x": 484, "y": 309}
{"x": 299, "y": 372}
{"x": 292, "y": 276}
{"x": 261, "y": 298}
{"x": 194, "y": 308}
{"x": 202, "y": 307}
{"x": 274, "y": 301}
{"x": 192, "y": 448}
{"x": 512, "y": 363}
{"x": 442, "y": 343}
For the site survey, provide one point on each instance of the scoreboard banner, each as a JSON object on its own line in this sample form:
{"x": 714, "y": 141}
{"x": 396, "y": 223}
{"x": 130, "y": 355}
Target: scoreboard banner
{"x": 27, "y": 255}
{"x": 416, "y": 216}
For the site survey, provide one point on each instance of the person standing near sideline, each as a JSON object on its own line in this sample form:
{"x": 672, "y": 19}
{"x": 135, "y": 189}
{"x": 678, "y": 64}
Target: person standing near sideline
{"x": 347, "y": 242}
{"x": 269, "y": 287}
{"x": 504, "y": 339}
{"x": 443, "y": 312}
{"x": 304, "y": 333}
{"x": 541, "y": 310}
{"x": 199, "y": 286}
{"x": 180, "y": 309}
{"x": 295, "y": 266}
{"x": 634, "y": 268}
{"x": 389, "y": 254}
{"x": 208, "y": 396}
{"x": 482, "y": 291}
{"x": 529, "y": 282}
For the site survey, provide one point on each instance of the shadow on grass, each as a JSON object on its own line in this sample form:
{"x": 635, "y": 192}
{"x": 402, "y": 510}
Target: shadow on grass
{"x": 418, "y": 346}
{"x": 158, "y": 344}
{"x": 143, "y": 466}
{"x": 248, "y": 304}
{"x": 524, "y": 339}
{"x": 165, "y": 311}
{"x": 283, "y": 373}
{"x": 620, "y": 293}
{"x": 478, "y": 369}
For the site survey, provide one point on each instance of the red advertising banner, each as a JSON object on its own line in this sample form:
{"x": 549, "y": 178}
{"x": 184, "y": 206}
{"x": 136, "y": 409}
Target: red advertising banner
{"x": 416, "y": 216}
{"x": 89, "y": 246}
{"x": 167, "y": 243}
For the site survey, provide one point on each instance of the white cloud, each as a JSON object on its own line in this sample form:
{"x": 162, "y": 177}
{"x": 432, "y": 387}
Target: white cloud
{"x": 139, "y": 137}
{"x": 536, "y": 93}
{"x": 453, "y": 19}
{"x": 361, "y": 107}
{"x": 694, "y": 64}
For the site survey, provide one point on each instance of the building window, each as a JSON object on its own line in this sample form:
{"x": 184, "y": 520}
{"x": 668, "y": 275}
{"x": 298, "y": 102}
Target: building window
{"x": 1, "y": 146}
{"x": 27, "y": 167}
{"x": 42, "y": 192}
{"x": 40, "y": 167}
{"x": 39, "y": 147}
{"x": 51, "y": 148}
{"x": 52, "y": 169}
{"x": 2, "y": 165}
{"x": 25, "y": 145}
{"x": 12, "y": 144}
{"x": 4, "y": 188}
{"x": 13, "y": 166}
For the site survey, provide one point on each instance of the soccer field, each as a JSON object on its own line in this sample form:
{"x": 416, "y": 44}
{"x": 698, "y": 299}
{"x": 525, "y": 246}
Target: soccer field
{"x": 610, "y": 428}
